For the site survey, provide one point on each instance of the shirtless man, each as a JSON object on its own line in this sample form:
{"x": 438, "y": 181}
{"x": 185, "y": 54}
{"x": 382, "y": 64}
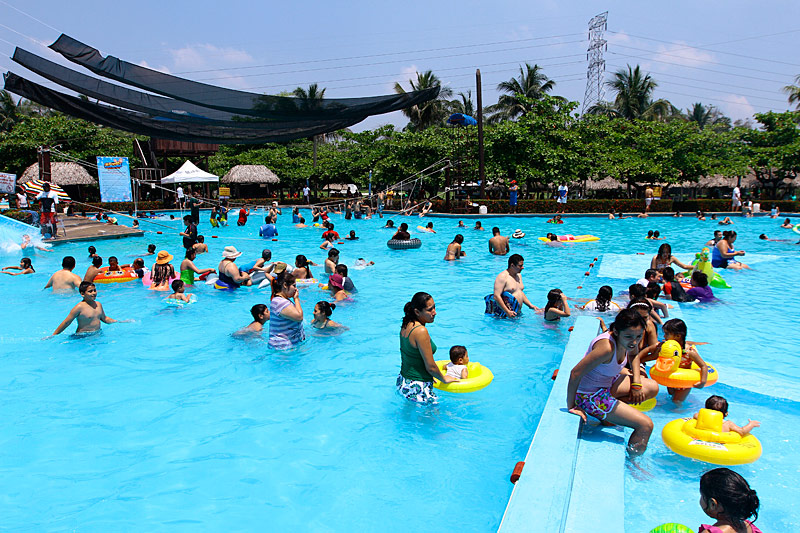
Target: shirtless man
{"x": 509, "y": 280}
{"x": 89, "y": 312}
{"x": 498, "y": 245}
{"x": 454, "y": 249}
{"x": 94, "y": 269}
{"x": 64, "y": 280}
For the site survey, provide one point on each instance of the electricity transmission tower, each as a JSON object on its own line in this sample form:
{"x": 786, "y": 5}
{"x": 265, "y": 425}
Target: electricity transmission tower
{"x": 597, "y": 64}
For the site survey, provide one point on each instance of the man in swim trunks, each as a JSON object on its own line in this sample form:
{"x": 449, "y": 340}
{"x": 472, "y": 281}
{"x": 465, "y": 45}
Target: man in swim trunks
{"x": 64, "y": 280}
{"x": 510, "y": 281}
{"x": 498, "y": 245}
{"x": 48, "y": 200}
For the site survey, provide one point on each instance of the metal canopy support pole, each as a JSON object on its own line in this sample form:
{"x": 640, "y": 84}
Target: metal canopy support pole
{"x": 481, "y": 170}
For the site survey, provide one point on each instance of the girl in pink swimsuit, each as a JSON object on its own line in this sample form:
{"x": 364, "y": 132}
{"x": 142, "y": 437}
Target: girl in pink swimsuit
{"x": 598, "y": 377}
{"x": 726, "y": 497}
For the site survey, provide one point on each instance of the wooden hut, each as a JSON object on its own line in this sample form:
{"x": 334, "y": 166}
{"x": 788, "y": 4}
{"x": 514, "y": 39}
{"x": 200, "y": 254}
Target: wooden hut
{"x": 250, "y": 181}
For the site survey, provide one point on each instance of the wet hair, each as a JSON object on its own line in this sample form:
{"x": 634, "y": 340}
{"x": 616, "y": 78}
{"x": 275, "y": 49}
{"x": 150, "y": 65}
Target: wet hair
{"x": 284, "y": 279}
{"x": 97, "y": 261}
{"x": 68, "y": 262}
{"x": 200, "y": 238}
{"x": 151, "y": 248}
{"x": 333, "y": 252}
{"x": 390, "y": 223}
{"x": 650, "y": 272}
{"x": 626, "y": 319}
{"x": 352, "y": 233}
{"x": 656, "y": 234}
{"x": 650, "y": 233}
{"x": 257, "y": 310}
{"x": 637, "y": 291}
{"x": 112, "y": 259}
{"x": 553, "y": 297}
{"x": 84, "y": 286}
{"x": 188, "y": 219}
{"x": 676, "y": 328}
{"x": 458, "y": 238}
{"x": 266, "y": 254}
{"x": 700, "y": 278}
{"x": 653, "y": 290}
{"x": 478, "y": 224}
{"x": 92, "y": 250}
{"x": 341, "y": 270}
{"x": 669, "y": 274}
{"x": 302, "y": 220}
{"x": 190, "y": 253}
{"x": 138, "y": 262}
{"x": 330, "y": 226}
{"x": 787, "y": 221}
{"x": 326, "y": 308}
{"x": 495, "y": 230}
{"x": 717, "y": 403}
{"x": 457, "y": 352}
{"x": 728, "y": 234}
{"x": 515, "y": 259}
{"x": 732, "y": 493}
{"x": 161, "y": 273}
{"x": 429, "y": 225}
{"x": 665, "y": 250}
{"x": 717, "y": 231}
{"x": 403, "y": 227}
{"x": 639, "y": 303}
{"x": 302, "y": 262}
{"x": 603, "y": 299}
{"x": 763, "y": 237}
{"x": 176, "y": 285}
{"x": 418, "y": 303}
{"x": 26, "y": 263}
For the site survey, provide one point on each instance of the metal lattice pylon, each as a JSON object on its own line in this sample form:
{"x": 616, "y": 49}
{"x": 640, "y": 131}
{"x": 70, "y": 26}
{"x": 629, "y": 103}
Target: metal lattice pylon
{"x": 597, "y": 64}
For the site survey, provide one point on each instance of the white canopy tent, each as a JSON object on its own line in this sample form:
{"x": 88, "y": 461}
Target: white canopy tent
{"x": 189, "y": 173}
{"x": 341, "y": 187}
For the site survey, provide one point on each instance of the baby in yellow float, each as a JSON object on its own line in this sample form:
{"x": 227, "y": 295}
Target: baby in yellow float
{"x": 718, "y": 403}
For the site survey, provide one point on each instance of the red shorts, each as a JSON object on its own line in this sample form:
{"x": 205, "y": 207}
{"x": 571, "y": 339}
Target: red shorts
{"x": 48, "y": 218}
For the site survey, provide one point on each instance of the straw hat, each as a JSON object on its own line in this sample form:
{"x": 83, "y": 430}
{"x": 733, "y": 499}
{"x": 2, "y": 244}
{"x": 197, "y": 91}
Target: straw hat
{"x": 518, "y": 234}
{"x": 163, "y": 257}
{"x": 279, "y": 267}
{"x": 336, "y": 280}
{"x": 230, "y": 252}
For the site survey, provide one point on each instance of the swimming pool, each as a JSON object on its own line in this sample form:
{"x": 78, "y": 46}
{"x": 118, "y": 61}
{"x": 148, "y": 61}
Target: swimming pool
{"x": 170, "y": 423}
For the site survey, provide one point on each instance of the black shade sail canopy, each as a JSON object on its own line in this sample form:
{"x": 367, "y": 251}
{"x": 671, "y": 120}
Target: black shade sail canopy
{"x": 168, "y": 129}
{"x": 231, "y": 100}
{"x": 187, "y": 110}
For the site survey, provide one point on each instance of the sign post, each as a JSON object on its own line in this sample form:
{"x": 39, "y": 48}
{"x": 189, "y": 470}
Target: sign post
{"x": 8, "y": 182}
{"x": 114, "y": 174}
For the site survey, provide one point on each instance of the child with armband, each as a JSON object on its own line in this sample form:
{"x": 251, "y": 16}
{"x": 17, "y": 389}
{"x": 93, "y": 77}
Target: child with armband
{"x": 726, "y": 497}
{"x": 457, "y": 367}
{"x": 674, "y": 330}
{"x": 718, "y": 403}
{"x": 177, "y": 292}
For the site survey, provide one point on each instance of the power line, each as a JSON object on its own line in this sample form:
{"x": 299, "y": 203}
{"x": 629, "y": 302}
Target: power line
{"x": 28, "y": 15}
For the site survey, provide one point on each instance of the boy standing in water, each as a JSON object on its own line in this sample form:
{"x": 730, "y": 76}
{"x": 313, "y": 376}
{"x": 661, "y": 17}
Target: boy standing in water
{"x": 89, "y": 312}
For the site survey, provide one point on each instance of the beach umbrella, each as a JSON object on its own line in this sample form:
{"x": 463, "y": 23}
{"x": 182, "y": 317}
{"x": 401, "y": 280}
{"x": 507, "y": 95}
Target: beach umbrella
{"x": 34, "y": 187}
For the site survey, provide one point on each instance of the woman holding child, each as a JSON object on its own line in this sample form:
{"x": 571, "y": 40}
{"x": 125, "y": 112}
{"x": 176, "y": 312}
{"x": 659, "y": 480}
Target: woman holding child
{"x": 417, "y": 366}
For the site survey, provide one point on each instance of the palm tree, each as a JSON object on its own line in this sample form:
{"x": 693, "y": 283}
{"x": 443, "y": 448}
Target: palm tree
{"x": 794, "y": 92}
{"x": 464, "y": 106}
{"x": 531, "y": 83}
{"x": 431, "y": 112}
{"x": 634, "y": 99}
{"x": 10, "y": 111}
{"x": 310, "y": 100}
{"x": 708, "y": 117}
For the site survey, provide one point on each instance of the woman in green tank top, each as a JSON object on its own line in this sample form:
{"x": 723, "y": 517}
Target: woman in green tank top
{"x": 188, "y": 270}
{"x": 417, "y": 366}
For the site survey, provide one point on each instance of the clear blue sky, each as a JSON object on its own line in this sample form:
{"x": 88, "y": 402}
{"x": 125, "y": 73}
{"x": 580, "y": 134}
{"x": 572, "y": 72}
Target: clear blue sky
{"x": 735, "y": 55}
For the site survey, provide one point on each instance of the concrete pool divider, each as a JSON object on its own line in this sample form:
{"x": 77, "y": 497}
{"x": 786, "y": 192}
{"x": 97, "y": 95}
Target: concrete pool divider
{"x": 549, "y": 496}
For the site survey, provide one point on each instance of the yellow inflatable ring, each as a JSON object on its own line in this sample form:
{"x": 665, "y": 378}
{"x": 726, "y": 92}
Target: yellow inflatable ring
{"x": 704, "y": 440}
{"x": 666, "y": 371}
{"x": 645, "y": 406}
{"x": 479, "y": 377}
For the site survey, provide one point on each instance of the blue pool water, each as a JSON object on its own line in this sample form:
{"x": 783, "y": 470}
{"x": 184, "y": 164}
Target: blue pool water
{"x": 170, "y": 423}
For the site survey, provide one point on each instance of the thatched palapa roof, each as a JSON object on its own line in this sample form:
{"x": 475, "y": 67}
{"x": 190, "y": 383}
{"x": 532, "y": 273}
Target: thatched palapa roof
{"x": 250, "y": 174}
{"x": 61, "y": 174}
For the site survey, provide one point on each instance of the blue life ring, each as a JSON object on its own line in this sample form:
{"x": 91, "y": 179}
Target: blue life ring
{"x": 492, "y": 309}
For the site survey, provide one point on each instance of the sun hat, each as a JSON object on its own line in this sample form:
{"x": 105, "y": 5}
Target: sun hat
{"x": 279, "y": 267}
{"x": 518, "y": 234}
{"x": 336, "y": 280}
{"x": 230, "y": 252}
{"x": 163, "y": 257}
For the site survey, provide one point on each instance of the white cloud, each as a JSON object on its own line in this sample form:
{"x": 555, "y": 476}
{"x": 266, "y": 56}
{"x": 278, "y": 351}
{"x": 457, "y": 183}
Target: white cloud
{"x": 162, "y": 68}
{"x": 682, "y": 54}
{"x": 407, "y": 73}
{"x": 737, "y": 107}
{"x": 208, "y": 56}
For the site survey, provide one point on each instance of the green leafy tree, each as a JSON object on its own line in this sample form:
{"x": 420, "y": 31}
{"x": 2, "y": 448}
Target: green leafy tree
{"x": 463, "y": 104}
{"x": 774, "y": 149}
{"x": 708, "y": 117}
{"x": 793, "y": 92}
{"x": 429, "y": 113}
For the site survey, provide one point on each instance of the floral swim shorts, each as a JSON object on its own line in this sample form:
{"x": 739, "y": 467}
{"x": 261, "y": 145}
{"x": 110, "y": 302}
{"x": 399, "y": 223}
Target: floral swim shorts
{"x": 417, "y": 391}
{"x": 598, "y": 404}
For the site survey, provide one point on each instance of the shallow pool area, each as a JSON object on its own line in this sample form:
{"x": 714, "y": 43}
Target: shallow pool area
{"x": 171, "y": 423}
